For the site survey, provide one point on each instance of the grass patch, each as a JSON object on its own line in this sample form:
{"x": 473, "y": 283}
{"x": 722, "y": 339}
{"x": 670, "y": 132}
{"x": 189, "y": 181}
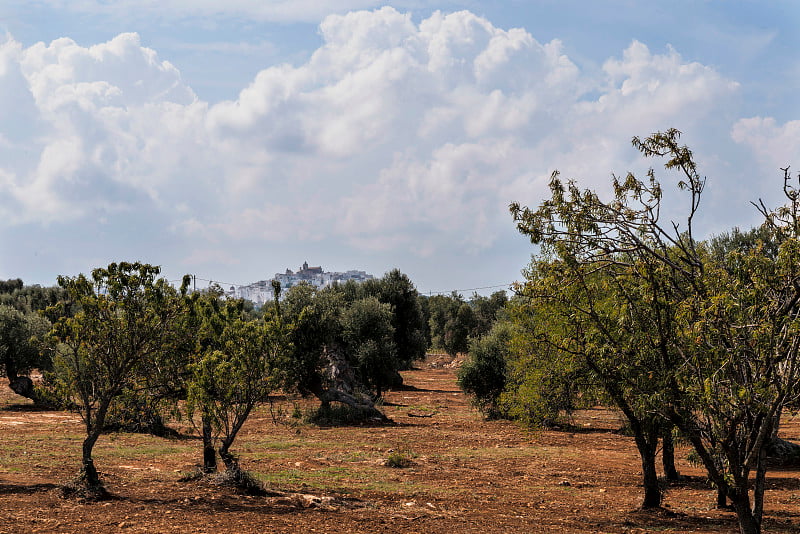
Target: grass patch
{"x": 342, "y": 479}
{"x": 288, "y": 477}
{"x": 31, "y": 453}
{"x": 142, "y": 451}
{"x": 355, "y": 456}
{"x": 276, "y": 445}
{"x": 526, "y": 451}
{"x": 400, "y": 459}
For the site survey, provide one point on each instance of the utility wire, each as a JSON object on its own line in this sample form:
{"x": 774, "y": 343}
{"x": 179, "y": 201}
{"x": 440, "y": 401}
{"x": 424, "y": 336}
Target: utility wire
{"x": 222, "y": 283}
{"x": 430, "y": 293}
{"x": 209, "y": 281}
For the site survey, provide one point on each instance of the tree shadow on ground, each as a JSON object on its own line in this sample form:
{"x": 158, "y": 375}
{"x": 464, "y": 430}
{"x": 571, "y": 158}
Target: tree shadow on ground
{"x": 583, "y": 430}
{"x": 783, "y": 483}
{"x": 423, "y": 390}
{"x": 25, "y": 489}
{"x": 358, "y": 424}
{"x": 33, "y": 408}
{"x": 275, "y": 502}
{"x": 691, "y": 482}
{"x": 666, "y": 520}
{"x": 784, "y": 513}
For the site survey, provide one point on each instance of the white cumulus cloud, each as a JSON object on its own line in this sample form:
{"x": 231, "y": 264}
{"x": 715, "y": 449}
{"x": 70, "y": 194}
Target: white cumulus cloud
{"x": 394, "y": 135}
{"x": 777, "y": 145}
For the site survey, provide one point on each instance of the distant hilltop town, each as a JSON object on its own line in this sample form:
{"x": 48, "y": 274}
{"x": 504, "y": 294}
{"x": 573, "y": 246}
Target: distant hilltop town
{"x": 261, "y": 291}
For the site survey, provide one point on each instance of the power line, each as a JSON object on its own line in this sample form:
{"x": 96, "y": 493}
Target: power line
{"x": 465, "y": 290}
{"x": 222, "y": 283}
{"x": 209, "y": 281}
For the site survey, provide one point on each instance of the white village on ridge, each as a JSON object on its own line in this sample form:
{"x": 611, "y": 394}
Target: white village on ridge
{"x": 261, "y": 291}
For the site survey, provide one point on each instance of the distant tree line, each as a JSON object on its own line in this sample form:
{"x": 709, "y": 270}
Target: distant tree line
{"x": 26, "y": 316}
{"x": 454, "y": 322}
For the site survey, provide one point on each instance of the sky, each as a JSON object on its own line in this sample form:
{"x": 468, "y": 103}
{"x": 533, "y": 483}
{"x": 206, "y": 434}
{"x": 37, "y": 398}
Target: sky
{"x": 233, "y": 140}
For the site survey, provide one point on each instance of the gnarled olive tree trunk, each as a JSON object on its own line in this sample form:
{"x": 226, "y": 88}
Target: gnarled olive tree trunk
{"x": 338, "y": 383}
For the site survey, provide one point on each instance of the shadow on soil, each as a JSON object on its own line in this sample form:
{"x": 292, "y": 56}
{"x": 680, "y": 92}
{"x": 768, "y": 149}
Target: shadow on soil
{"x": 692, "y": 482}
{"x": 25, "y": 489}
{"x": 583, "y": 430}
{"x": 663, "y": 519}
{"x": 672, "y": 522}
{"x": 362, "y": 424}
{"x": 784, "y": 513}
{"x": 405, "y": 387}
{"x": 269, "y": 504}
{"x": 784, "y": 483}
{"x": 35, "y": 408}
{"x": 702, "y": 483}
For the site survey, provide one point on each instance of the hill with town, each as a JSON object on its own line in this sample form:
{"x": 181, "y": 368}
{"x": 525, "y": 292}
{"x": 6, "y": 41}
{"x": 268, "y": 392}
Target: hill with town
{"x": 261, "y": 291}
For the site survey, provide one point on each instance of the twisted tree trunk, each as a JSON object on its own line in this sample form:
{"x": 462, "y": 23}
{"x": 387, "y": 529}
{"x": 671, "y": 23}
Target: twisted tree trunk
{"x": 339, "y": 384}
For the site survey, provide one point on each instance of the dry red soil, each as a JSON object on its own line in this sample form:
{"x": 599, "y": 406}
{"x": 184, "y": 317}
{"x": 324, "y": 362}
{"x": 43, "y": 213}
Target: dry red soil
{"x": 467, "y": 475}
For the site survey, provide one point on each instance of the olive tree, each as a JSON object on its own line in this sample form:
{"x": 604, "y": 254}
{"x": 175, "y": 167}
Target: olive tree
{"x": 342, "y": 347}
{"x": 396, "y": 290}
{"x": 452, "y": 321}
{"x": 723, "y": 343}
{"x": 483, "y": 375}
{"x": 228, "y": 383}
{"x": 368, "y": 338}
{"x": 21, "y": 348}
{"x": 208, "y": 316}
{"x": 125, "y": 318}
{"x": 543, "y": 384}
{"x": 26, "y": 313}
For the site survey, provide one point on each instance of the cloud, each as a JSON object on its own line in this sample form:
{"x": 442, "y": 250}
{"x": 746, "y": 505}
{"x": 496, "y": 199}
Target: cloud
{"x": 776, "y": 145}
{"x": 393, "y": 135}
{"x": 87, "y": 119}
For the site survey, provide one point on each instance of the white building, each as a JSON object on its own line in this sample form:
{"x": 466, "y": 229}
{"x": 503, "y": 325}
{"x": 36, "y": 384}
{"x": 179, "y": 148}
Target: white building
{"x": 261, "y": 292}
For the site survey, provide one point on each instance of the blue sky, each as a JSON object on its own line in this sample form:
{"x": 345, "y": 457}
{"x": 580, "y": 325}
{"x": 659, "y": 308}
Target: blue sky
{"x": 233, "y": 140}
